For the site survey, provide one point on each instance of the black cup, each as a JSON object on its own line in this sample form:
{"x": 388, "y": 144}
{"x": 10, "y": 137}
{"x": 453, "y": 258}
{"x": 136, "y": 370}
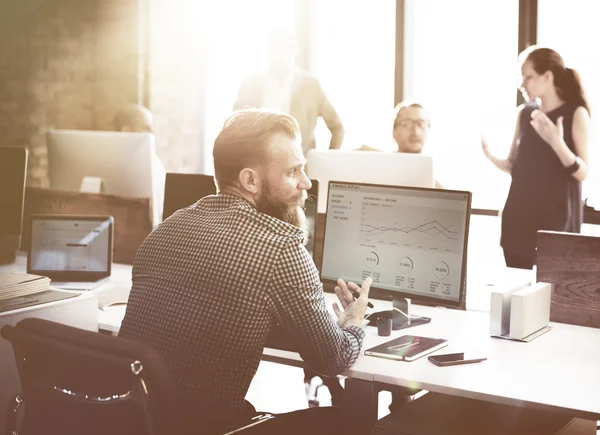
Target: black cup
{"x": 384, "y": 324}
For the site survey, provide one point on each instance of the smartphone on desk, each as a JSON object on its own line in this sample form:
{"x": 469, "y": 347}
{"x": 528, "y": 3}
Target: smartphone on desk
{"x": 452, "y": 359}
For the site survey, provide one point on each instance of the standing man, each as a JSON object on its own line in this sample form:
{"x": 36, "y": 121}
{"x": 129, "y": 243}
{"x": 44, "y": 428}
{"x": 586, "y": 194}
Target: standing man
{"x": 211, "y": 280}
{"x": 288, "y": 89}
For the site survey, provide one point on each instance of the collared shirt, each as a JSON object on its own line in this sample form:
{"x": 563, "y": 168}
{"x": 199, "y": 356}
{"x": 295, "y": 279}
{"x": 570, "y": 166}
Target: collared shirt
{"x": 208, "y": 284}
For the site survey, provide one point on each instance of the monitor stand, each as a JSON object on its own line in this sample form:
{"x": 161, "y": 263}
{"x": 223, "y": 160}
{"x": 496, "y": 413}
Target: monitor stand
{"x": 402, "y": 318}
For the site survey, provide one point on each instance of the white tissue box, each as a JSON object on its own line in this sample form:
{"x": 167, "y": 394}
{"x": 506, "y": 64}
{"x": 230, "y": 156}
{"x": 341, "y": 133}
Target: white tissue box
{"x": 530, "y": 310}
{"x": 500, "y": 307}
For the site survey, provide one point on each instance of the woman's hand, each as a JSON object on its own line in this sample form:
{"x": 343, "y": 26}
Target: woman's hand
{"x": 550, "y": 132}
{"x": 485, "y": 147}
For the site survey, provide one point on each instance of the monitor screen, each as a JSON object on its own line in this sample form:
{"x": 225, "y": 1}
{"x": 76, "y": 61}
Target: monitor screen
{"x": 411, "y": 241}
{"x": 183, "y": 190}
{"x": 125, "y": 162}
{"x": 375, "y": 167}
{"x": 71, "y": 248}
{"x": 13, "y": 172}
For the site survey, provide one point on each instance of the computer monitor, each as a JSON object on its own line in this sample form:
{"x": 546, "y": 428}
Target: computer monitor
{"x": 183, "y": 190}
{"x": 394, "y": 169}
{"x": 411, "y": 241}
{"x": 13, "y": 173}
{"x": 125, "y": 162}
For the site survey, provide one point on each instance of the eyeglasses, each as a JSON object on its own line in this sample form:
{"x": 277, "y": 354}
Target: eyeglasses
{"x": 409, "y": 123}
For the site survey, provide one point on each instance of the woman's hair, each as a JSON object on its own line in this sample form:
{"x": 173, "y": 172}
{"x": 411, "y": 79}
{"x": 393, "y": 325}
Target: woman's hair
{"x": 566, "y": 80}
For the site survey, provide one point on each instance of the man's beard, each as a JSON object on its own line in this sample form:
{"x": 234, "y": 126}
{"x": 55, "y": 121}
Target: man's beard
{"x": 290, "y": 211}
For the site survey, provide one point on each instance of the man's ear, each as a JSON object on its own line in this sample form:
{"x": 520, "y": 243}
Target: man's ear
{"x": 249, "y": 180}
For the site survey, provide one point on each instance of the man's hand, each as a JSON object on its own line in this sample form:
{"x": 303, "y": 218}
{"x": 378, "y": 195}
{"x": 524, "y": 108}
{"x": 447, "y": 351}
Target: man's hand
{"x": 354, "y": 310}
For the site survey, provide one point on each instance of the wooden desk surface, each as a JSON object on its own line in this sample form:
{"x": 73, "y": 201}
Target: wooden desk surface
{"x": 572, "y": 263}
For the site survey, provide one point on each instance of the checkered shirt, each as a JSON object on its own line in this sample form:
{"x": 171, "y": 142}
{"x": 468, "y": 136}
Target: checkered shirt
{"x": 208, "y": 284}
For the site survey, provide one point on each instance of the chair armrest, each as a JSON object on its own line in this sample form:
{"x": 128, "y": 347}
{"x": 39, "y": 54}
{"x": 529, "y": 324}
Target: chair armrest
{"x": 12, "y": 414}
{"x": 259, "y": 419}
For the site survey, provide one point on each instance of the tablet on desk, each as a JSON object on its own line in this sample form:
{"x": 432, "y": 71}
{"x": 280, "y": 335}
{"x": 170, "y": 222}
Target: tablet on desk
{"x": 74, "y": 251}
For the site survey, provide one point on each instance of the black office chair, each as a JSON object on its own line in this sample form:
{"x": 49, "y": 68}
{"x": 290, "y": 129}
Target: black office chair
{"x": 75, "y": 381}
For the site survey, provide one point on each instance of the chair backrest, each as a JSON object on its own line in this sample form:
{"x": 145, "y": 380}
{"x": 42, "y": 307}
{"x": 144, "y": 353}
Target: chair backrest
{"x": 572, "y": 263}
{"x": 76, "y": 381}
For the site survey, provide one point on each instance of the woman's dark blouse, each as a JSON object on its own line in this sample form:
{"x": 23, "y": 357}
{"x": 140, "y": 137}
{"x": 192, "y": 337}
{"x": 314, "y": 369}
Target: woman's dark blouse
{"x": 542, "y": 195}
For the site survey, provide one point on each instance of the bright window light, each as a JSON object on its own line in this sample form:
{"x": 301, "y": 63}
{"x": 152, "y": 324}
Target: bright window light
{"x": 238, "y": 31}
{"x": 463, "y": 71}
{"x": 351, "y": 51}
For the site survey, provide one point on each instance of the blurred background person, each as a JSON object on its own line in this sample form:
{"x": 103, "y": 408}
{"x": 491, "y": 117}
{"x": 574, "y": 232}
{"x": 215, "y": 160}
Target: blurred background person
{"x": 288, "y": 89}
{"x": 410, "y": 130}
{"x": 548, "y": 158}
{"x": 134, "y": 118}
{"x": 411, "y": 127}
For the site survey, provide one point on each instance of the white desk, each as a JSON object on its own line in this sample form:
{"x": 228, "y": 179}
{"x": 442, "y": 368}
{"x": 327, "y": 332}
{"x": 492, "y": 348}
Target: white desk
{"x": 536, "y": 362}
{"x": 479, "y": 286}
{"x": 118, "y": 286}
{"x": 557, "y": 372}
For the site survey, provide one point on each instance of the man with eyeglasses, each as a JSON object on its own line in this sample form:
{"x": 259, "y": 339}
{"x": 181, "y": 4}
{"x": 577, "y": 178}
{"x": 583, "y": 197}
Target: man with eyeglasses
{"x": 411, "y": 127}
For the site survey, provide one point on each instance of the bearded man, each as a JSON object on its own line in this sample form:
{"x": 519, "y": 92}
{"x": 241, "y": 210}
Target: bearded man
{"x": 210, "y": 281}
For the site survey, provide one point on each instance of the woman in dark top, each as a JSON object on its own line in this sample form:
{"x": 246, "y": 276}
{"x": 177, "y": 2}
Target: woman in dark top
{"x": 548, "y": 157}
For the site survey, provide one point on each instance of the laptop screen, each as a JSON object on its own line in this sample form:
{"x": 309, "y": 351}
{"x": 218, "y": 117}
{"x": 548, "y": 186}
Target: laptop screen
{"x": 71, "y": 248}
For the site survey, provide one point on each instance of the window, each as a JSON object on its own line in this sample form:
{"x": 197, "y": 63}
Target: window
{"x": 238, "y": 31}
{"x": 572, "y": 30}
{"x": 351, "y": 52}
{"x": 463, "y": 71}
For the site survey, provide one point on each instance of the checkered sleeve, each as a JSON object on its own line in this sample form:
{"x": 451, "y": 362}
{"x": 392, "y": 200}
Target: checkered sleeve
{"x": 296, "y": 298}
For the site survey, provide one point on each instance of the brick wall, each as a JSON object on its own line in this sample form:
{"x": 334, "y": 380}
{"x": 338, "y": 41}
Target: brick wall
{"x": 71, "y": 64}
{"x": 63, "y": 64}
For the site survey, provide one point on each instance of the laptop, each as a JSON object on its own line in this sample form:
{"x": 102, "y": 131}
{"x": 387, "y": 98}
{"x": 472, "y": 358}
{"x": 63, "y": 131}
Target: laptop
{"x": 74, "y": 251}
